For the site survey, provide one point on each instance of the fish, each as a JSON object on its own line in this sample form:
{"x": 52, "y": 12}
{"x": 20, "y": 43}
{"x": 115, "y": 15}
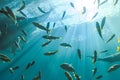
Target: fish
{"x": 65, "y": 28}
{"x": 111, "y": 38}
{"x": 17, "y": 45}
{"x": 46, "y": 43}
{"x": 77, "y": 77}
{"x": 38, "y": 77}
{"x": 94, "y": 57}
{"x": 22, "y": 7}
{"x": 67, "y": 67}
{"x": 40, "y": 26}
{"x": 12, "y": 69}
{"x": 24, "y": 32}
{"x": 84, "y": 10}
{"x": 79, "y": 54}
{"x": 23, "y": 14}
{"x": 98, "y": 3}
{"x": 68, "y": 75}
{"x": 51, "y": 53}
{"x": 72, "y": 5}
{"x": 103, "y": 22}
{"x": 50, "y": 37}
{"x": 22, "y": 38}
{"x": 118, "y": 48}
{"x": 65, "y": 45}
{"x": 99, "y": 30}
{"x": 11, "y": 14}
{"x": 94, "y": 71}
{"x": 5, "y": 58}
{"x": 104, "y": 51}
{"x": 103, "y": 2}
{"x": 48, "y": 26}
{"x": 63, "y": 15}
{"x": 41, "y": 10}
{"x": 13, "y": 31}
{"x": 30, "y": 64}
{"x": 118, "y": 40}
{"x": 114, "y": 67}
{"x": 95, "y": 15}
{"x": 116, "y": 1}
{"x": 54, "y": 24}
{"x": 22, "y": 77}
{"x": 99, "y": 77}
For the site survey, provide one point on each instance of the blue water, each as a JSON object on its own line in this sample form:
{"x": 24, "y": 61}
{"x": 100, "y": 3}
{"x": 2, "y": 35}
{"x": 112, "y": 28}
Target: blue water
{"x": 81, "y": 34}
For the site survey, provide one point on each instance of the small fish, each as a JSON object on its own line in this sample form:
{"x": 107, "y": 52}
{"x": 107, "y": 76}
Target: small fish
{"x": 95, "y": 15}
{"x": 72, "y": 5}
{"x": 54, "y": 25}
{"x": 84, "y": 10}
{"x": 118, "y": 40}
{"x": 99, "y": 77}
{"x": 77, "y": 77}
{"x": 22, "y": 13}
{"x": 94, "y": 71}
{"x": 113, "y": 68}
{"x": 68, "y": 75}
{"x": 104, "y": 51}
{"x": 65, "y": 28}
{"x": 11, "y": 14}
{"x": 94, "y": 57}
{"x": 79, "y": 54}
{"x": 22, "y": 77}
{"x": 22, "y": 38}
{"x": 67, "y": 67}
{"x": 22, "y": 7}
{"x": 63, "y": 15}
{"x": 41, "y": 10}
{"x": 118, "y": 48}
{"x": 50, "y": 37}
{"x": 111, "y": 38}
{"x": 50, "y": 53}
{"x": 103, "y": 22}
{"x": 40, "y": 26}
{"x": 5, "y": 58}
{"x": 99, "y": 30}
{"x": 17, "y": 45}
{"x": 65, "y": 45}
{"x": 24, "y": 32}
{"x": 30, "y": 64}
{"x": 116, "y": 1}
{"x": 103, "y": 2}
{"x": 46, "y": 43}
{"x": 12, "y": 69}
{"x": 38, "y": 77}
{"x": 98, "y": 3}
{"x": 48, "y": 26}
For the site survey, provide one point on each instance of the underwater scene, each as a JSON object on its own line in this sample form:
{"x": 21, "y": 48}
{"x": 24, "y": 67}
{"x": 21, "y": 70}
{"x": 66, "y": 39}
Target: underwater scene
{"x": 59, "y": 40}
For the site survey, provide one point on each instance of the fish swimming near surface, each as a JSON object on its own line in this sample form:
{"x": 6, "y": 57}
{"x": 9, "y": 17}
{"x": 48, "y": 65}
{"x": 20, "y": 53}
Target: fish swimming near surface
{"x": 65, "y": 45}
{"x": 84, "y": 10}
{"x": 40, "y": 9}
{"x": 22, "y": 77}
{"x": 67, "y": 67}
{"x": 115, "y": 2}
{"x": 111, "y": 38}
{"x": 65, "y": 28}
{"x": 46, "y": 43}
{"x": 23, "y": 14}
{"x": 72, "y": 5}
{"x": 104, "y": 51}
{"x": 95, "y": 15}
{"x": 79, "y": 54}
{"x": 54, "y": 25}
{"x": 38, "y": 77}
{"x": 12, "y": 69}
{"x": 30, "y": 64}
{"x": 94, "y": 71}
{"x": 103, "y": 22}
{"x": 51, "y": 53}
{"x": 63, "y": 15}
{"x": 99, "y": 30}
{"x": 22, "y": 7}
{"x": 68, "y": 75}
{"x": 77, "y": 77}
{"x": 105, "y": 1}
{"x": 50, "y": 37}
{"x": 13, "y": 31}
{"x": 94, "y": 57}
{"x": 99, "y": 77}
{"x": 114, "y": 67}
{"x": 5, "y": 58}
